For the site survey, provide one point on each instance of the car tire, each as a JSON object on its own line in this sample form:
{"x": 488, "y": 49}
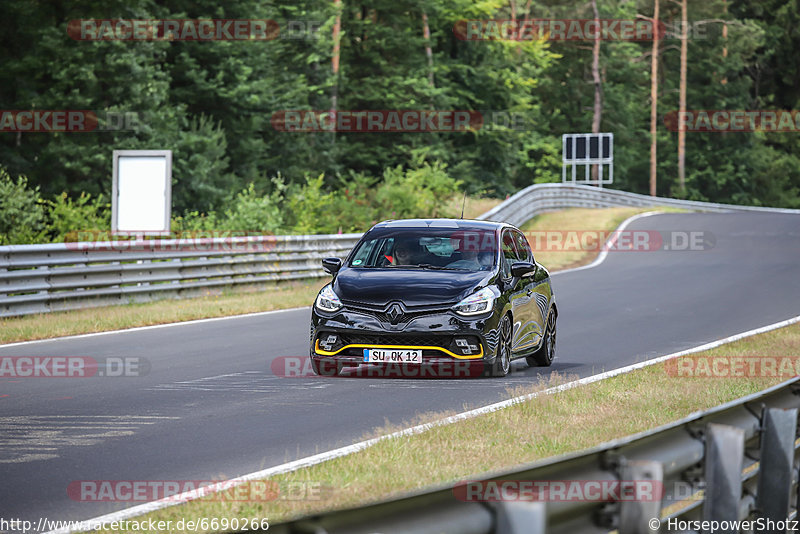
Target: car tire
{"x": 325, "y": 368}
{"x": 543, "y": 357}
{"x": 502, "y": 361}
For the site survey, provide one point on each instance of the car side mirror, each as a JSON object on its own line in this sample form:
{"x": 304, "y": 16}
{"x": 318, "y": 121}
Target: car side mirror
{"x": 331, "y": 265}
{"x": 520, "y": 269}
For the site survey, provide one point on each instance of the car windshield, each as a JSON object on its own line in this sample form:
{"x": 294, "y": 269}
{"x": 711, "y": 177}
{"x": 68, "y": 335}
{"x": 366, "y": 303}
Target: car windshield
{"x": 444, "y": 248}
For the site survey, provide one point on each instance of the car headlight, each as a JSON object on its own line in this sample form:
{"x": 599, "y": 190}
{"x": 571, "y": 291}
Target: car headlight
{"x": 479, "y": 302}
{"x": 327, "y": 300}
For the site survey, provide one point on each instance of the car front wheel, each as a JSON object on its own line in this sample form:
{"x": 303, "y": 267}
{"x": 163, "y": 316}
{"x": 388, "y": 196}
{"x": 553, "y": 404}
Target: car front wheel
{"x": 502, "y": 362}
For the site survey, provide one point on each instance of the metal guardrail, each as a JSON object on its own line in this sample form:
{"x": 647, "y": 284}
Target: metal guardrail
{"x": 535, "y": 199}
{"x": 64, "y": 276}
{"x": 738, "y": 461}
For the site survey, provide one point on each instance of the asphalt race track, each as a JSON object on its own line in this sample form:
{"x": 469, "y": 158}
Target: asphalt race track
{"x": 211, "y": 406}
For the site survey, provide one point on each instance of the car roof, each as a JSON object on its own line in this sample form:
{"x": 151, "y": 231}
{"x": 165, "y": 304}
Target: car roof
{"x": 465, "y": 224}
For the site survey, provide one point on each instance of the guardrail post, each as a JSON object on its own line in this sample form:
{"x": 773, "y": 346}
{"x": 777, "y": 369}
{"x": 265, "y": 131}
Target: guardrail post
{"x": 520, "y": 517}
{"x": 636, "y": 514}
{"x": 777, "y": 461}
{"x": 723, "y": 457}
{"x": 3, "y": 270}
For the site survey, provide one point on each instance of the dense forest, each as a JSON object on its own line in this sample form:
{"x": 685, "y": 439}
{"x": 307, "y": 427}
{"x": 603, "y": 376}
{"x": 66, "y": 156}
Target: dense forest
{"x": 214, "y": 103}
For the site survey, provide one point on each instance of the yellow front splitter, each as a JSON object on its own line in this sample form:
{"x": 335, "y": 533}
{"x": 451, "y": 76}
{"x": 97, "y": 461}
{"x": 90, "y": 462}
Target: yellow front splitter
{"x": 395, "y": 347}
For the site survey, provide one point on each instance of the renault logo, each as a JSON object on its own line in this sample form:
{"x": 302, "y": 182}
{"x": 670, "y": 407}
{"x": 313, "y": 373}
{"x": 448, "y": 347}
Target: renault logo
{"x": 395, "y": 313}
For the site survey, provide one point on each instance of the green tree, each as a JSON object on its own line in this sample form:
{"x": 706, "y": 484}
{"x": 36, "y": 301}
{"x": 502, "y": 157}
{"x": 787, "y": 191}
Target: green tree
{"x": 68, "y": 217}
{"x": 22, "y": 215}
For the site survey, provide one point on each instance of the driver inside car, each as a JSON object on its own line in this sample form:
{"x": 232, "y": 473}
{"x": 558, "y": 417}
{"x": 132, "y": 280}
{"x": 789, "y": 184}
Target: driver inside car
{"x": 469, "y": 257}
{"x": 406, "y": 252}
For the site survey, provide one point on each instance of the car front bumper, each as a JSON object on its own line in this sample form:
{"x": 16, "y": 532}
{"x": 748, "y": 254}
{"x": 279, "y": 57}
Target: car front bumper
{"x": 434, "y": 333}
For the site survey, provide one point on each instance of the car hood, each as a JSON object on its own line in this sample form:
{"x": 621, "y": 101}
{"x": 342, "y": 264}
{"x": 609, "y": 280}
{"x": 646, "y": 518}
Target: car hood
{"x": 413, "y": 287}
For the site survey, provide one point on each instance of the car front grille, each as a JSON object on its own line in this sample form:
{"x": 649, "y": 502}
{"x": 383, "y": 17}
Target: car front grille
{"x": 380, "y": 313}
{"x": 397, "y": 339}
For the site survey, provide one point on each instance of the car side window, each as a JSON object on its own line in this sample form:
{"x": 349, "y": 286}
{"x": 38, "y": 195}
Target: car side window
{"x": 364, "y": 253}
{"x": 509, "y": 253}
{"x": 524, "y": 249}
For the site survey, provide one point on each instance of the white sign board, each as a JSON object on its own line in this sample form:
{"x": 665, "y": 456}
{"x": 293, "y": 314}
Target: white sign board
{"x": 142, "y": 192}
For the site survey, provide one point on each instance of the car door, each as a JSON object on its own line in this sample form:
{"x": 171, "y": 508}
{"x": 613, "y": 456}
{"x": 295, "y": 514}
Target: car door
{"x": 537, "y": 292}
{"x": 520, "y": 302}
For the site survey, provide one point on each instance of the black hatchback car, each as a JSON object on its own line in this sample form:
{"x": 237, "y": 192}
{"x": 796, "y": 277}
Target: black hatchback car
{"x": 435, "y": 291}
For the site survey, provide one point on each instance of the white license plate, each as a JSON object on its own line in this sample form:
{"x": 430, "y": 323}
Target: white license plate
{"x": 392, "y": 355}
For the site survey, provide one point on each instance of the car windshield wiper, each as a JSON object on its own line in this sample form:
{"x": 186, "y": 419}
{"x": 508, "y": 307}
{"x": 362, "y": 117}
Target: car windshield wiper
{"x": 437, "y": 267}
{"x": 426, "y": 266}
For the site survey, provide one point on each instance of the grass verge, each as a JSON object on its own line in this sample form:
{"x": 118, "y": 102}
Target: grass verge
{"x": 544, "y": 426}
{"x": 281, "y": 296}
